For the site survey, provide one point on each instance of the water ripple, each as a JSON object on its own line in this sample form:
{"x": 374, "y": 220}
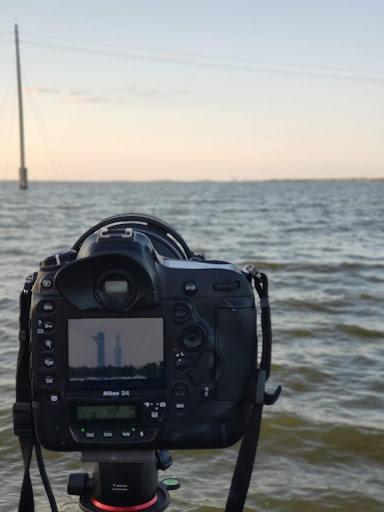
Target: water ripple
{"x": 321, "y": 244}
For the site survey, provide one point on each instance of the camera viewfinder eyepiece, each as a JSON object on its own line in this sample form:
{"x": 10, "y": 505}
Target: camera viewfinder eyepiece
{"x": 115, "y": 290}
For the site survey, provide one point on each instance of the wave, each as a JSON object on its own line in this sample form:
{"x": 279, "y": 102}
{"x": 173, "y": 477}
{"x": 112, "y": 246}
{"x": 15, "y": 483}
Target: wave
{"x": 322, "y": 442}
{"x": 362, "y": 332}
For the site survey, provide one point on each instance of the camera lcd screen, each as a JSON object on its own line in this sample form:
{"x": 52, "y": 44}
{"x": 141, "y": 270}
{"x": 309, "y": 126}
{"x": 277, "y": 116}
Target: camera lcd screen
{"x": 104, "y": 412}
{"x": 116, "y": 353}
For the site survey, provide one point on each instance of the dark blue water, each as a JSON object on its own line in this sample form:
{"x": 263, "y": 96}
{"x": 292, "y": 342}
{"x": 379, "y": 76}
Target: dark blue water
{"x": 322, "y": 246}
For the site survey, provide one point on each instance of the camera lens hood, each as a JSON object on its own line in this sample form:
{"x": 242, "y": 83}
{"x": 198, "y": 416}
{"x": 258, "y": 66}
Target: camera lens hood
{"x": 166, "y": 240}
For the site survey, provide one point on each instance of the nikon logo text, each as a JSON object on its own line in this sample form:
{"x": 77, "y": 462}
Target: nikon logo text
{"x": 116, "y": 393}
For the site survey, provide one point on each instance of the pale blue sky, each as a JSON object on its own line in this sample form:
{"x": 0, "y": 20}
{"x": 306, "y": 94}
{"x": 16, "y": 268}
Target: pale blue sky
{"x": 194, "y": 90}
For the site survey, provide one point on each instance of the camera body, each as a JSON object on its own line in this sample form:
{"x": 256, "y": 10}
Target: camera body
{"x": 133, "y": 347}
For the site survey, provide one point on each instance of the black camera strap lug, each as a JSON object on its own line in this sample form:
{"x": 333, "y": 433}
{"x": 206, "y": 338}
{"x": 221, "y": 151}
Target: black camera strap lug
{"x": 271, "y": 398}
{"x": 260, "y": 388}
{"x": 259, "y": 396}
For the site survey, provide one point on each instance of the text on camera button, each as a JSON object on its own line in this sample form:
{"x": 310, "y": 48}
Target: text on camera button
{"x": 49, "y": 362}
{"x": 190, "y": 288}
{"x": 126, "y": 434}
{"x": 48, "y": 307}
{"x": 54, "y": 398}
{"x": 108, "y": 434}
{"x": 48, "y": 325}
{"x": 207, "y": 391}
{"x": 49, "y": 380}
{"x": 89, "y": 434}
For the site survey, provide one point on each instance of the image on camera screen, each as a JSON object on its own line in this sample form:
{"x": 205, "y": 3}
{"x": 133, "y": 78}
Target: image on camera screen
{"x": 118, "y": 353}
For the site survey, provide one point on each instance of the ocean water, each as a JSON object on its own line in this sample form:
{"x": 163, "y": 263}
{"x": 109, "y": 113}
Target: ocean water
{"x": 322, "y": 247}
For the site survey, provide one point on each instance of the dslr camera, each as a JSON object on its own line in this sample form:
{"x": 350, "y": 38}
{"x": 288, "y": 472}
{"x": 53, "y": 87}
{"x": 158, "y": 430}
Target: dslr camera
{"x": 138, "y": 344}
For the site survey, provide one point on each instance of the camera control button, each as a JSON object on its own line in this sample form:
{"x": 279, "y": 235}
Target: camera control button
{"x": 48, "y": 325}
{"x": 49, "y": 380}
{"x": 49, "y": 362}
{"x": 54, "y": 398}
{"x": 192, "y": 337}
{"x": 181, "y": 312}
{"x": 47, "y": 282}
{"x": 190, "y": 288}
{"x": 126, "y": 434}
{"x": 48, "y": 307}
{"x": 183, "y": 362}
{"x": 89, "y": 434}
{"x": 48, "y": 344}
{"x": 141, "y": 433}
{"x": 154, "y": 414}
{"x": 207, "y": 391}
{"x": 180, "y": 390}
{"x": 57, "y": 260}
{"x": 108, "y": 434}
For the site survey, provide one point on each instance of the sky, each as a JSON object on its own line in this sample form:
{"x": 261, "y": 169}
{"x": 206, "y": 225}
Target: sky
{"x": 194, "y": 90}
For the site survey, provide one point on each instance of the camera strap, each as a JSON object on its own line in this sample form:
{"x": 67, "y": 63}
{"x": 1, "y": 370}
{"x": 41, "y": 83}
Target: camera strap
{"x": 258, "y": 397}
{"x": 22, "y": 409}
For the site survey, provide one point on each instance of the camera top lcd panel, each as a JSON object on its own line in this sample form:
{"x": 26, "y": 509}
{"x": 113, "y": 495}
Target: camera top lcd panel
{"x": 133, "y": 350}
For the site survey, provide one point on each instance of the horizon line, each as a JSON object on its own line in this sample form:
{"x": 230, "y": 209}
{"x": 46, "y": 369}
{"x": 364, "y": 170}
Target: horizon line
{"x": 169, "y": 180}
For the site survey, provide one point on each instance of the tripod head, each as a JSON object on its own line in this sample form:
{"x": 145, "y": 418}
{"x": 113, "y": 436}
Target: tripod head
{"x": 123, "y": 482}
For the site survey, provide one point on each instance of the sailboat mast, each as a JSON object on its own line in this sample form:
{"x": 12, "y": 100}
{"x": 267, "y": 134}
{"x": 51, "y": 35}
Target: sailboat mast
{"x": 23, "y": 182}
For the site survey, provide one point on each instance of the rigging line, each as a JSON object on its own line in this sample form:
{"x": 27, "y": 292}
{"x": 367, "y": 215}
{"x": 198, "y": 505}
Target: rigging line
{"x": 208, "y": 57}
{"x": 10, "y": 144}
{"x": 223, "y": 65}
{"x": 8, "y": 113}
{"x": 46, "y": 140}
{"x": 7, "y": 91}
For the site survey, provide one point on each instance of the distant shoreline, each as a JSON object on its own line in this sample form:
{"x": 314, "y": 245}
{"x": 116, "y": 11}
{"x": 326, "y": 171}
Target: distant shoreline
{"x": 271, "y": 180}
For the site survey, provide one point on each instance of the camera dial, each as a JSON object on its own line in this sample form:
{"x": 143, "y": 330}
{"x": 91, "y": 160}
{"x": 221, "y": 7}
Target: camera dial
{"x": 192, "y": 337}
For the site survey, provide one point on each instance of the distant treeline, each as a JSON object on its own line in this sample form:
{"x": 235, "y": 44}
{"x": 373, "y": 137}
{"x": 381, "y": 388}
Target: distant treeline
{"x": 149, "y": 371}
